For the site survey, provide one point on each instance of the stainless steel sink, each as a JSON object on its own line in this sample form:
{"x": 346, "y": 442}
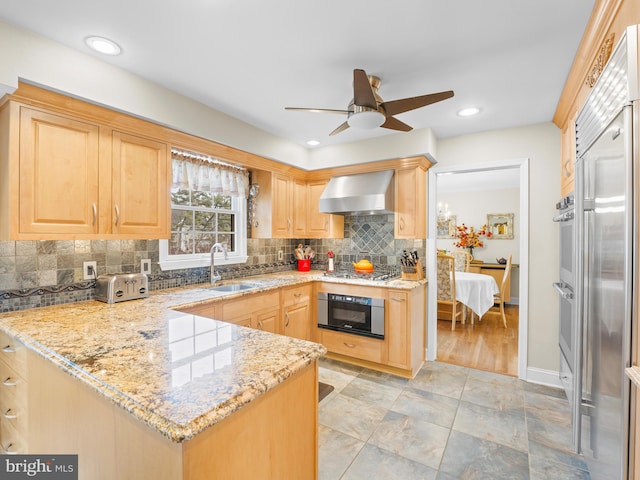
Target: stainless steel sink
{"x": 233, "y": 287}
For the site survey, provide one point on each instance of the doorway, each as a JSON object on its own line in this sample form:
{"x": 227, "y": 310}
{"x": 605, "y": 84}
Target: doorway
{"x": 475, "y": 177}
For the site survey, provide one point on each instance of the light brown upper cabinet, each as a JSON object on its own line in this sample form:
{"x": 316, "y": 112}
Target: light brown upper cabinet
{"x": 321, "y": 225}
{"x": 58, "y": 175}
{"x": 411, "y": 203}
{"x": 71, "y": 178}
{"x": 568, "y": 152}
{"x": 288, "y": 207}
{"x": 140, "y": 203}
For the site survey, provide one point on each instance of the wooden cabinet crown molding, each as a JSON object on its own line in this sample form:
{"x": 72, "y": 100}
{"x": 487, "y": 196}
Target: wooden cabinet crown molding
{"x": 603, "y": 17}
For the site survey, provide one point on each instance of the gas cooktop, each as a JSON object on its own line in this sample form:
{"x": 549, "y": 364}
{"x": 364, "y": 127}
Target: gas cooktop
{"x": 380, "y": 274}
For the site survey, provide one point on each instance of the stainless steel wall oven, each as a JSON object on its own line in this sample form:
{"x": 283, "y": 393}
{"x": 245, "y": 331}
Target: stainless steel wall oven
{"x": 566, "y": 289}
{"x": 351, "y": 314}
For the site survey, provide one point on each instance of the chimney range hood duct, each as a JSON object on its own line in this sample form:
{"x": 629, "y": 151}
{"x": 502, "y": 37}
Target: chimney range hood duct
{"x": 361, "y": 194}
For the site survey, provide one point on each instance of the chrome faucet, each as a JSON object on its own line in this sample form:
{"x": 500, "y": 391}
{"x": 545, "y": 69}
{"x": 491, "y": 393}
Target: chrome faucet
{"x": 214, "y": 276}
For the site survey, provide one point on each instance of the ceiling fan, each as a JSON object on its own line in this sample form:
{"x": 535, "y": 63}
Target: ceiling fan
{"x": 368, "y": 110}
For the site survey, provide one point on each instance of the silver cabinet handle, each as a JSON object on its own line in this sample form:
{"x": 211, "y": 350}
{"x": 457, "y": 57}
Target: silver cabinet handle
{"x": 564, "y": 293}
{"x": 260, "y": 325}
{"x": 9, "y": 382}
{"x": 297, "y": 294}
{"x": 117, "y": 214}
{"x": 8, "y": 349}
{"x": 6, "y": 450}
{"x": 398, "y": 299}
{"x": 9, "y": 415}
{"x": 286, "y": 315}
{"x": 349, "y": 345}
{"x": 401, "y": 223}
{"x": 95, "y": 213}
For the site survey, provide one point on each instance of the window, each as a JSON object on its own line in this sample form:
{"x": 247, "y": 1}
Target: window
{"x": 208, "y": 205}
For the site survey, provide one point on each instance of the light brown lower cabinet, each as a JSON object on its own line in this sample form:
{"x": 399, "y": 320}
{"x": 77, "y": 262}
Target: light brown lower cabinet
{"x": 67, "y": 416}
{"x": 260, "y": 310}
{"x": 402, "y": 351}
{"x": 296, "y": 311}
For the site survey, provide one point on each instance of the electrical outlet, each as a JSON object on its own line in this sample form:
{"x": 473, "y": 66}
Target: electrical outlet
{"x": 89, "y": 270}
{"x": 280, "y": 255}
{"x": 145, "y": 266}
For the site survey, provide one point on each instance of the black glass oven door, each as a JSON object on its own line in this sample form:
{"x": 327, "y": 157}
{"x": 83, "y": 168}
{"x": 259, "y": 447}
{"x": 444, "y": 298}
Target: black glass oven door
{"x": 350, "y": 316}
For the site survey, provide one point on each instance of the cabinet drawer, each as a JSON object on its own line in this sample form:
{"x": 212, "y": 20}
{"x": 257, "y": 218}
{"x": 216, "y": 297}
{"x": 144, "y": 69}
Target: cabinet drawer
{"x": 12, "y": 385}
{"x": 13, "y": 353}
{"x": 11, "y": 441}
{"x": 250, "y": 303}
{"x": 14, "y": 412}
{"x": 353, "y": 345}
{"x": 292, "y": 296}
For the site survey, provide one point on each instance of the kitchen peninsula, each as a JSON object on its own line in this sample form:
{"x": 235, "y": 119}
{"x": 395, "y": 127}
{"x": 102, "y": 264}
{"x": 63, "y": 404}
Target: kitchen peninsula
{"x": 163, "y": 393}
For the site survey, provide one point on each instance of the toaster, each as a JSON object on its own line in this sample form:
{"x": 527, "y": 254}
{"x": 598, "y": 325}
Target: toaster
{"x": 120, "y": 287}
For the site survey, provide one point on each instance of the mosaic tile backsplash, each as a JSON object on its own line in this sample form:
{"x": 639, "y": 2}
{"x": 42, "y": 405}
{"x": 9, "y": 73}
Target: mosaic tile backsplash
{"x": 49, "y": 272}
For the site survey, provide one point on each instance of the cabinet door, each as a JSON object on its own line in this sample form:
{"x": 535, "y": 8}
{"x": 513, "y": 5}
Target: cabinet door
{"x": 267, "y": 321}
{"x": 568, "y": 151}
{"x": 301, "y": 211}
{"x": 297, "y": 321}
{"x": 411, "y": 203}
{"x": 140, "y": 186}
{"x": 282, "y": 206}
{"x": 58, "y": 174}
{"x": 322, "y": 225}
{"x": 397, "y": 329}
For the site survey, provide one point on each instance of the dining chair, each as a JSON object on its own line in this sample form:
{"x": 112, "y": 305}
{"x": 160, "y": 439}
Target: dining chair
{"x": 447, "y": 290}
{"x": 500, "y": 298}
{"x": 462, "y": 260}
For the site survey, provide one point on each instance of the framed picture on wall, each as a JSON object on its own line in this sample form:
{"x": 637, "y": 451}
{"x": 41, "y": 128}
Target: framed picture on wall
{"x": 500, "y": 225}
{"x": 446, "y": 227}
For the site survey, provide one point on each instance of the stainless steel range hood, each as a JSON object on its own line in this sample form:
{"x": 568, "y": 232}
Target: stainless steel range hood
{"x": 360, "y": 194}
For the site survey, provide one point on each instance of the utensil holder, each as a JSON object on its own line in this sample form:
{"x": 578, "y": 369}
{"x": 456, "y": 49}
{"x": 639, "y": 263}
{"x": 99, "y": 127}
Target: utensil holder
{"x": 413, "y": 273}
{"x": 304, "y": 265}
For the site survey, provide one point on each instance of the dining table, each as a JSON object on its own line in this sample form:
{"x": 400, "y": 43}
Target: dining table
{"x": 476, "y": 291}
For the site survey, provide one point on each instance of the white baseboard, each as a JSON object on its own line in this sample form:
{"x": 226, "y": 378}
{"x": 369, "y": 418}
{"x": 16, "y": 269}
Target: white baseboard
{"x": 550, "y": 378}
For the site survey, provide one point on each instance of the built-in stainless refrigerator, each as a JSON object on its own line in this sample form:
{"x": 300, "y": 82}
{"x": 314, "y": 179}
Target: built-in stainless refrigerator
{"x": 606, "y": 187}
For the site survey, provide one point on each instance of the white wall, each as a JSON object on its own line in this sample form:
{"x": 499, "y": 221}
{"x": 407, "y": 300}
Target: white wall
{"x": 471, "y": 208}
{"x": 541, "y": 144}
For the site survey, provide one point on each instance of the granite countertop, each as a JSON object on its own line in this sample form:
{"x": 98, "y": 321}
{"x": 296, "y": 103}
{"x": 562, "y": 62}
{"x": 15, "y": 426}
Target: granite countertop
{"x": 178, "y": 373}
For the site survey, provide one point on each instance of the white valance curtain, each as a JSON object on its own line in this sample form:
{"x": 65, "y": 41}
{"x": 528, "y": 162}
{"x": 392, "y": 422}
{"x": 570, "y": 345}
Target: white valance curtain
{"x": 207, "y": 174}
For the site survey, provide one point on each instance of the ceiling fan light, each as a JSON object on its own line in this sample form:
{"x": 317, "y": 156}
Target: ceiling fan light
{"x": 368, "y": 119}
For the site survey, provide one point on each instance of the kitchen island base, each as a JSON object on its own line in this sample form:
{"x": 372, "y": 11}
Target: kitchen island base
{"x": 272, "y": 437}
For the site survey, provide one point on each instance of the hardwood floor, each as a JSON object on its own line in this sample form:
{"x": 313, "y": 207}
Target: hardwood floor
{"x": 487, "y": 345}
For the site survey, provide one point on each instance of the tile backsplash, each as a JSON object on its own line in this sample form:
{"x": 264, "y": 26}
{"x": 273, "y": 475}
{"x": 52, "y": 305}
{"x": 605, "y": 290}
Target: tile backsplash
{"x": 49, "y": 272}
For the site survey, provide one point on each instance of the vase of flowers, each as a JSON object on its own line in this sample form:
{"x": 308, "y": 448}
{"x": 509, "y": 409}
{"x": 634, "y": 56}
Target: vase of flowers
{"x": 470, "y": 238}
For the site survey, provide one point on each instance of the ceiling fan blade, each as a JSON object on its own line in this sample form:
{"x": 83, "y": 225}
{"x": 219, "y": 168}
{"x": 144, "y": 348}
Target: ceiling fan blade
{"x": 405, "y": 104}
{"x": 318, "y": 110}
{"x": 362, "y": 91}
{"x": 341, "y": 128}
{"x": 395, "y": 124}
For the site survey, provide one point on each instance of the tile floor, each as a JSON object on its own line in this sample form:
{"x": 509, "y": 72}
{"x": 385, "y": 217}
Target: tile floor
{"x": 447, "y": 423}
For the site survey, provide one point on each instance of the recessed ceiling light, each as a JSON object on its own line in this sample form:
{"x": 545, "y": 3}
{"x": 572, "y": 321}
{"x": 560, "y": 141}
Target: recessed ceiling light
{"x": 103, "y": 45}
{"x": 468, "y": 112}
{"x": 313, "y": 143}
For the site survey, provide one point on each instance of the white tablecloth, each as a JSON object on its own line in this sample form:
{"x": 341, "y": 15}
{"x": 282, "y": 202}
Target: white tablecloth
{"x": 476, "y": 291}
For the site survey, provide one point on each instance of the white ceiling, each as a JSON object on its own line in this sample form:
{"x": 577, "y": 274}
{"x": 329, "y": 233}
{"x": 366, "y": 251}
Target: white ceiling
{"x": 251, "y": 58}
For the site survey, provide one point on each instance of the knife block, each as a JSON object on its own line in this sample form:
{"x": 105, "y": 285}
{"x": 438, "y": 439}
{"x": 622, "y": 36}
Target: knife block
{"x": 417, "y": 275}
